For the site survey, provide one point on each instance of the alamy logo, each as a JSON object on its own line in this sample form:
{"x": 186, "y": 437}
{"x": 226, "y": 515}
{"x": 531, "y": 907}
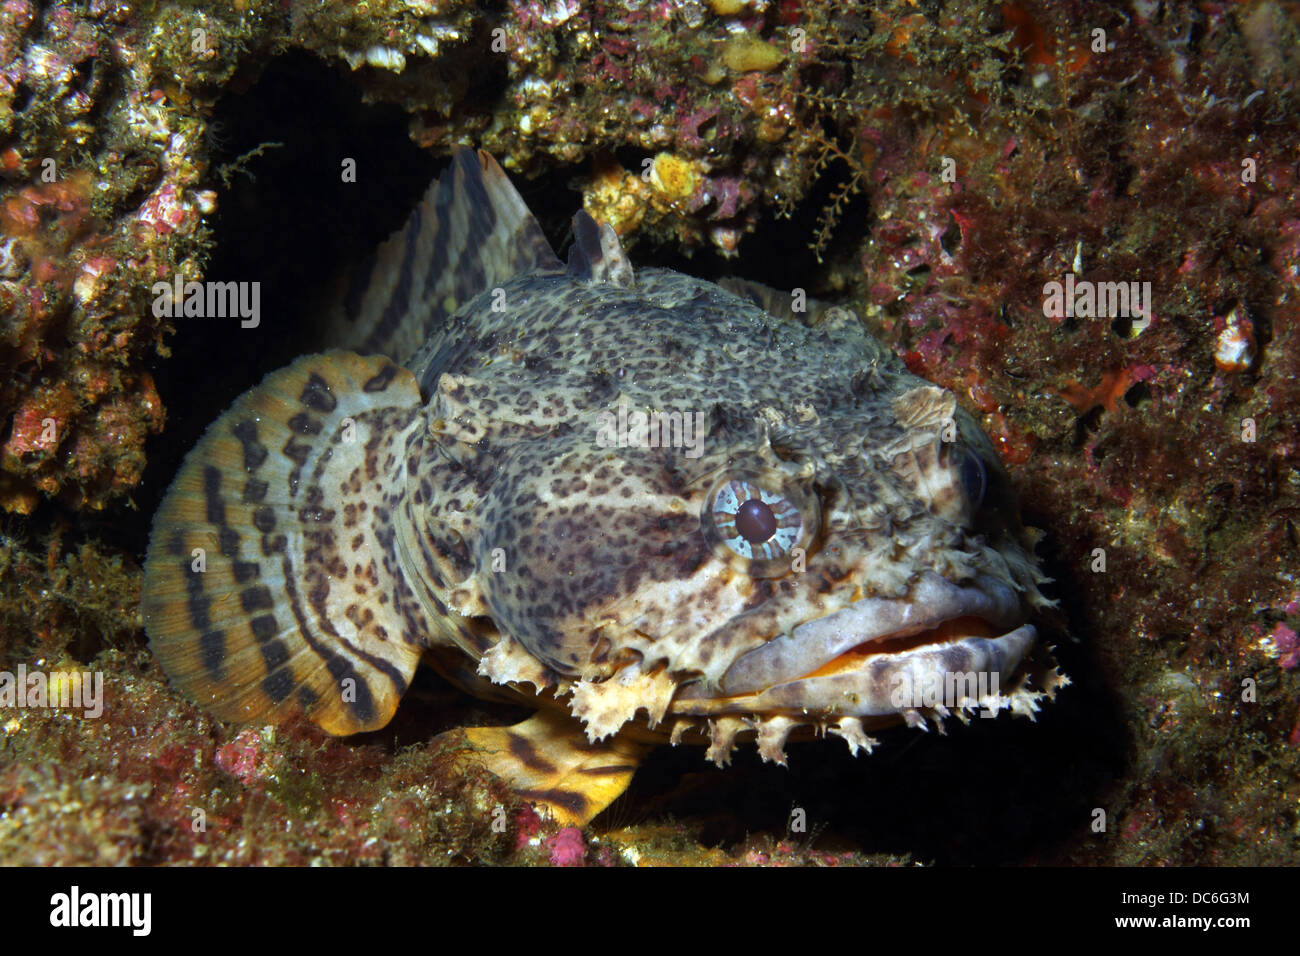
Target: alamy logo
{"x": 76, "y": 908}
{"x": 950, "y": 689}
{"x": 1104, "y": 300}
{"x": 208, "y": 300}
{"x": 638, "y": 429}
{"x": 65, "y": 690}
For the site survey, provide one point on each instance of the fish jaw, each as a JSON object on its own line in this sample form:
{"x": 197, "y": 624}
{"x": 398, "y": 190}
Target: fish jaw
{"x": 961, "y": 673}
{"x": 939, "y": 650}
{"x": 880, "y": 656}
{"x": 933, "y": 601}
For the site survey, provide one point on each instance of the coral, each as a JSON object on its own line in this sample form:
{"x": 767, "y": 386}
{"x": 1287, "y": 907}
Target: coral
{"x": 1167, "y": 446}
{"x": 567, "y": 847}
{"x": 100, "y": 194}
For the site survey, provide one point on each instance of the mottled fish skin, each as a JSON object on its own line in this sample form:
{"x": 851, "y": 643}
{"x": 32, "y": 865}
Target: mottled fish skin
{"x": 476, "y": 504}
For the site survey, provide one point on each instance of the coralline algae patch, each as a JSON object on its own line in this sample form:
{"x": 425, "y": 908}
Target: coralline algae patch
{"x": 1157, "y": 448}
{"x": 100, "y": 193}
{"x": 158, "y": 784}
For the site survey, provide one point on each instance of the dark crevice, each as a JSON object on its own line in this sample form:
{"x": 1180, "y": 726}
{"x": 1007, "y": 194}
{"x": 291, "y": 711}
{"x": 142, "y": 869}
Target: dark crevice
{"x": 288, "y": 221}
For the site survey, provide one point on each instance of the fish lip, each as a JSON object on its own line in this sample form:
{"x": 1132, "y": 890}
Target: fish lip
{"x": 932, "y": 601}
{"x": 962, "y": 674}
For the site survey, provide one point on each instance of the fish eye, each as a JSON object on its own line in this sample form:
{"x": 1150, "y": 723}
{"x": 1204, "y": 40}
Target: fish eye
{"x": 758, "y": 519}
{"x": 753, "y": 521}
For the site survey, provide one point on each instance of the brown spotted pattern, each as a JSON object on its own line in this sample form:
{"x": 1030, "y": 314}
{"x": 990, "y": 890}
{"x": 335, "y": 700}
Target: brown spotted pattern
{"x": 484, "y": 500}
{"x": 600, "y": 554}
{"x": 268, "y": 588}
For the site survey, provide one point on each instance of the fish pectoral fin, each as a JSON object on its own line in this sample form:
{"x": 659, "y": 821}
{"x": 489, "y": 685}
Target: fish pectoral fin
{"x": 548, "y": 761}
{"x": 272, "y": 587}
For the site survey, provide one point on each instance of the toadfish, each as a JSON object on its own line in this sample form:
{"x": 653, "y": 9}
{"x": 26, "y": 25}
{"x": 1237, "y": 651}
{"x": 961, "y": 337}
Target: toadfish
{"x": 654, "y": 507}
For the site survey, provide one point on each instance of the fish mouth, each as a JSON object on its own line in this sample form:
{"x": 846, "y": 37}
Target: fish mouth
{"x": 881, "y": 656}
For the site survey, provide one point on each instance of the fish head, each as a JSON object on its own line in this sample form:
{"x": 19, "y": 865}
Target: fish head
{"x": 771, "y": 557}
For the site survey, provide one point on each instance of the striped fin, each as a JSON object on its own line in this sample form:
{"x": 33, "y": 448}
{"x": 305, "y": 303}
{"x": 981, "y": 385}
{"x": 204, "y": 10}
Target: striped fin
{"x": 548, "y": 761}
{"x": 470, "y": 232}
{"x": 272, "y": 586}
{"x": 596, "y": 254}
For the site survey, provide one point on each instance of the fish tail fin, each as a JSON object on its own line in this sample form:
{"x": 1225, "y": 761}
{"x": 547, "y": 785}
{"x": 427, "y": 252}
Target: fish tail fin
{"x": 470, "y": 232}
{"x": 271, "y": 586}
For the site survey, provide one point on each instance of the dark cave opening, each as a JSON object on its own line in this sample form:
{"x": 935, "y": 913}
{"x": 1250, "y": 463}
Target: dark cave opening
{"x": 287, "y": 219}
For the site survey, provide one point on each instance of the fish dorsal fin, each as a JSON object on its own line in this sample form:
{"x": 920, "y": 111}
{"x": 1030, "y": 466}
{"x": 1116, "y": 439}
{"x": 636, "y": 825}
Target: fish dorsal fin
{"x": 470, "y": 232}
{"x": 597, "y": 255}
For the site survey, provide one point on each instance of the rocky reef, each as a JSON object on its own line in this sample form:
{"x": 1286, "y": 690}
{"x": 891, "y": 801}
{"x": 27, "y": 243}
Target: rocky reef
{"x": 1083, "y": 218}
